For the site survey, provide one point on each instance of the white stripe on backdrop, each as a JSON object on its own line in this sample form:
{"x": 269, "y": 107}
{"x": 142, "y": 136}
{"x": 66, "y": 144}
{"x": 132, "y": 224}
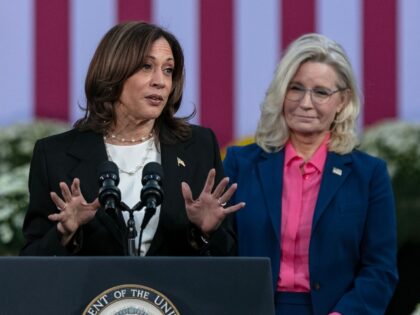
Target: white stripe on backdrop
{"x": 409, "y": 60}
{"x": 257, "y": 44}
{"x": 16, "y": 61}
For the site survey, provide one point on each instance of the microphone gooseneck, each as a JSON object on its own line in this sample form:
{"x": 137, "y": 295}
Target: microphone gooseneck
{"x": 151, "y": 194}
{"x": 108, "y": 178}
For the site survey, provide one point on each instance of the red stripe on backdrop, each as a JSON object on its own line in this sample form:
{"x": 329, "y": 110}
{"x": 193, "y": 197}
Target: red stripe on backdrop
{"x": 52, "y": 59}
{"x": 216, "y": 67}
{"x": 134, "y": 10}
{"x": 380, "y": 59}
{"x": 297, "y": 18}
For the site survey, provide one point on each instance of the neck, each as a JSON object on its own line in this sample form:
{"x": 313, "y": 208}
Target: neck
{"x": 306, "y": 145}
{"x": 129, "y": 132}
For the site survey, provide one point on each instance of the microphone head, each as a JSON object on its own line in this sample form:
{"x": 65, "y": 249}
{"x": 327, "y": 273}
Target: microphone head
{"x": 108, "y": 169}
{"x": 153, "y": 169}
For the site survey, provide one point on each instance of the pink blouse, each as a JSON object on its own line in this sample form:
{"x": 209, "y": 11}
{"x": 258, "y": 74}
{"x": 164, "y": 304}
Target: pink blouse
{"x": 301, "y": 182}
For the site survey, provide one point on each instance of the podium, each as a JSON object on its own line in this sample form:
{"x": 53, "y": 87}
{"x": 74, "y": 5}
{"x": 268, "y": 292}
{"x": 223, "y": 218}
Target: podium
{"x": 191, "y": 285}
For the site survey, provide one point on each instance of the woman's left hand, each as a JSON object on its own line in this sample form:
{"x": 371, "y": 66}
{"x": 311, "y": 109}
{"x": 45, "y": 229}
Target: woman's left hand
{"x": 207, "y": 211}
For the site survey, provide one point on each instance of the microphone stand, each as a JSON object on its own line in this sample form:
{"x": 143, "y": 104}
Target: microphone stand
{"x": 132, "y": 232}
{"x": 131, "y": 226}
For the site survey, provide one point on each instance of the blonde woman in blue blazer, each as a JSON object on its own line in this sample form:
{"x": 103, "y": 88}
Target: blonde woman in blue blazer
{"x": 320, "y": 209}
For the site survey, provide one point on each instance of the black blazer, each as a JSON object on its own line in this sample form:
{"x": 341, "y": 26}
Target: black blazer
{"x": 77, "y": 154}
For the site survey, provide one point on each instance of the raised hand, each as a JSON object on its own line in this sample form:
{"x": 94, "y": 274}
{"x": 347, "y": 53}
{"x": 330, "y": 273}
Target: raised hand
{"x": 74, "y": 211}
{"x": 207, "y": 211}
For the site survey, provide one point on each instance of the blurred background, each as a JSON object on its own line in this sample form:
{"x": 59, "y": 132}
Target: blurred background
{"x": 231, "y": 49}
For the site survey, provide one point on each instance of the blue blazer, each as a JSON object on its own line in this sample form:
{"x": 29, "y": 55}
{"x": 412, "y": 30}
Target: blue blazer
{"x": 352, "y": 252}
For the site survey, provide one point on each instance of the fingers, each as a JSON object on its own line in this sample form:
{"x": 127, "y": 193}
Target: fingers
{"x": 75, "y": 187}
{"x": 59, "y": 203}
{"x": 56, "y": 217}
{"x": 65, "y": 191}
{"x": 234, "y": 208}
{"x": 210, "y": 181}
{"x": 186, "y": 193}
{"x": 218, "y": 191}
{"x": 93, "y": 205}
{"x": 228, "y": 194}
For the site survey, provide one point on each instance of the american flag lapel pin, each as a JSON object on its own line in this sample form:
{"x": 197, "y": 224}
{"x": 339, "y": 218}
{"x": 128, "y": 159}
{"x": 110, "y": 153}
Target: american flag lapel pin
{"x": 337, "y": 171}
{"x": 180, "y": 162}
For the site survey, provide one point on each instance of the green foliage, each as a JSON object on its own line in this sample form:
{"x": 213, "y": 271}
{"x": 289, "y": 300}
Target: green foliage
{"x": 398, "y": 143}
{"x": 16, "y": 143}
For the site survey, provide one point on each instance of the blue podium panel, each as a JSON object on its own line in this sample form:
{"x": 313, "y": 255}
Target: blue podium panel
{"x": 175, "y": 285}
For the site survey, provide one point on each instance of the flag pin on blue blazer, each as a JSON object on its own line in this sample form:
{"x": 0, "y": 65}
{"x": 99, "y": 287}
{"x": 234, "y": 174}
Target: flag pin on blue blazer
{"x": 180, "y": 162}
{"x": 337, "y": 171}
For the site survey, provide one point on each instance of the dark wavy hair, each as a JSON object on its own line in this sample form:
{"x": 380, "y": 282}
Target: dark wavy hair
{"x": 120, "y": 54}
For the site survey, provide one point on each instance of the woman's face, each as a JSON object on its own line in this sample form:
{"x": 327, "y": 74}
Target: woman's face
{"x": 312, "y": 115}
{"x": 146, "y": 92}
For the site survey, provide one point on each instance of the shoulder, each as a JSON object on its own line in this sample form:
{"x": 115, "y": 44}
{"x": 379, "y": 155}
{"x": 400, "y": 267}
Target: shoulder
{"x": 362, "y": 164}
{"x": 201, "y": 135}
{"x": 68, "y": 138}
{"x": 365, "y": 160}
{"x": 61, "y": 137}
{"x": 199, "y": 131}
{"x": 248, "y": 152}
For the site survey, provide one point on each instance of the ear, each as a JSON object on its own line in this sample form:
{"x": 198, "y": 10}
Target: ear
{"x": 345, "y": 97}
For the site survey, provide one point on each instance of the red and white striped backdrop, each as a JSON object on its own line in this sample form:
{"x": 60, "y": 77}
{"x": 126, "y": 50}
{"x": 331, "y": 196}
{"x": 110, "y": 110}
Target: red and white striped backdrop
{"x": 231, "y": 49}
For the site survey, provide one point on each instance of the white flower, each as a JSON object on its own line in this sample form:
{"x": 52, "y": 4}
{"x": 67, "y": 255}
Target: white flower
{"x": 17, "y": 142}
{"x": 6, "y": 233}
{"x": 397, "y": 142}
{"x": 417, "y": 310}
{"x": 14, "y": 182}
{"x": 5, "y": 212}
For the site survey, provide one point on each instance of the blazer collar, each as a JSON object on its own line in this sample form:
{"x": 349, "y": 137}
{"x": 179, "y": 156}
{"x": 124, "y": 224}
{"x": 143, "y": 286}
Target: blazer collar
{"x": 177, "y": 166}
{"x": 270, "y": 171}
{"x": 337, "y": 168}
{"x": 88, "y": 149}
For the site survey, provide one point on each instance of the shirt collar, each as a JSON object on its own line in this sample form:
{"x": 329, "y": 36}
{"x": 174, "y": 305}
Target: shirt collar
{"x": 317, "y": 160}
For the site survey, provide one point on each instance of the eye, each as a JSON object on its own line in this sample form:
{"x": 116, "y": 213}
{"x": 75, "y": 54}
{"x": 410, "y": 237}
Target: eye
{"x": 168, "y": 71}
{"x": 321, "y": 92}
{"x": 296, "y": 87}
{"x": 146, "y": 66}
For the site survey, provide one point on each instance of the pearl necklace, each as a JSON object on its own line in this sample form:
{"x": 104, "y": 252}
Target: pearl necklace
{"x": 132, "y": 140}
{"x": 138, "y": 166}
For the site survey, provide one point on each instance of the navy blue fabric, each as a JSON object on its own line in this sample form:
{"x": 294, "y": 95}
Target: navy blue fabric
{"x": 293, "y": 303}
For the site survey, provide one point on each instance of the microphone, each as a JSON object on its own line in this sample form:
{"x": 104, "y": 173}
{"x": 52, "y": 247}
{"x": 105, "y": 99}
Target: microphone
{"x": 152, "y": 193}
{"x": 109, "y": 193}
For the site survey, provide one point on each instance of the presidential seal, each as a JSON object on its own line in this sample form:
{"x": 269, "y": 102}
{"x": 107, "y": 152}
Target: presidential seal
{"x": 131, "y": 299}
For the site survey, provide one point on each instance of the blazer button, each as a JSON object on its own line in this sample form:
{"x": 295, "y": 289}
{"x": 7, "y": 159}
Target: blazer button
{"x": 317, "y": 286}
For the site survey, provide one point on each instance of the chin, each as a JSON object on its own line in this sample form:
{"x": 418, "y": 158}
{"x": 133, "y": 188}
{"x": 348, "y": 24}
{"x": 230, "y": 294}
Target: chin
{"x": 307, "y": 130}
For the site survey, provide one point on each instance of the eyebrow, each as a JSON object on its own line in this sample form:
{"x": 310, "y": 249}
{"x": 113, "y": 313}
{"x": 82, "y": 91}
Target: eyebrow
{"x": 154, "y": 58}
{"x": 315, "y": 87}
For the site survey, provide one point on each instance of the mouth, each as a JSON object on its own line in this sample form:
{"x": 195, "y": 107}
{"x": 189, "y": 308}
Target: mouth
{"x": 305, "y": 117}
{"x": 155, "y": 99}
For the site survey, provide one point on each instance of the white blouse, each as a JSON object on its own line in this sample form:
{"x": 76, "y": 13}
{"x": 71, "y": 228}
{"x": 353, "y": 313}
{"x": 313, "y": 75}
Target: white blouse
{"x": 130, "y": 160}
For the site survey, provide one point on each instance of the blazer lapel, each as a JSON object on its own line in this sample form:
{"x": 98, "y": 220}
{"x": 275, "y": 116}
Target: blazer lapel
{"x": 270, "y": 170}
{"x": 177, "y": 166}
{"x": 335, "y": 173}
{"x": 89, "y": 149}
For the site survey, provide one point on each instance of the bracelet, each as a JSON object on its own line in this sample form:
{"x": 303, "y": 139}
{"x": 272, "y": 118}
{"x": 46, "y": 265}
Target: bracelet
{"x": 204, "y": 239}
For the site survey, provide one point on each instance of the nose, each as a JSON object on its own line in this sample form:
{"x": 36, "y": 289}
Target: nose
{"x": 157, "y": 79}
{"x": 306, "y": 100}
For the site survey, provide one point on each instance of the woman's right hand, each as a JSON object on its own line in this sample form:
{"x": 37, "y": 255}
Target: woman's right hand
{"x": 74, "y": 210}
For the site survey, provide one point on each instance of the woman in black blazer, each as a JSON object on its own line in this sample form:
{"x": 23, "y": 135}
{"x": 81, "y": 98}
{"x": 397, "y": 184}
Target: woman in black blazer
{"x": 133, "y": 89}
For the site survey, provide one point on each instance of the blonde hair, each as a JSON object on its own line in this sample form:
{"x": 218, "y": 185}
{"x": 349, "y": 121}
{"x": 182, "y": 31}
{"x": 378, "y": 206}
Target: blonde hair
{"x": 272, "y": 131}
